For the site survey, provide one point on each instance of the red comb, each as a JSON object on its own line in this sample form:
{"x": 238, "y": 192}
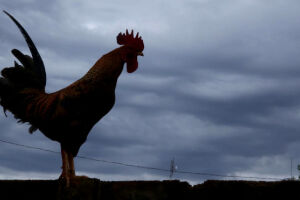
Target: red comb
{"x": 129, "y": 40}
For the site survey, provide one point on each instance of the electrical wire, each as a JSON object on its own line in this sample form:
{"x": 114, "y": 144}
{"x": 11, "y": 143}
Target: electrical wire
{"x": 141, "y": 166}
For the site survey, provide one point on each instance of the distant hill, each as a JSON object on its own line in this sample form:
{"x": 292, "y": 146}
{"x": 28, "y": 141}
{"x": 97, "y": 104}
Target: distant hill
{"x": 92, "y": 189}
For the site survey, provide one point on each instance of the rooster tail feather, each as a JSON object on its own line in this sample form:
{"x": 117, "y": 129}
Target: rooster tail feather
{"x": 37, "y": 67}
{"x": 31, "y": 74}
{"x": 28, "y": 75}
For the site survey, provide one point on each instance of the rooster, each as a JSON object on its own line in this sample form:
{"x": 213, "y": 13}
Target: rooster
{"x": 68, "y": 115}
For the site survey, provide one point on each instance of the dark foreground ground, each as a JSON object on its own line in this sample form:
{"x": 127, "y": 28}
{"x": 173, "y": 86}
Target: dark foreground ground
{"x": 143, "y": 190}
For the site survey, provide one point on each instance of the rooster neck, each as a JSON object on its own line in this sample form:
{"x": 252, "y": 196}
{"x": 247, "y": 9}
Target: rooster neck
{"x": 102, "y": 77}
{"x": 108, "y": 68}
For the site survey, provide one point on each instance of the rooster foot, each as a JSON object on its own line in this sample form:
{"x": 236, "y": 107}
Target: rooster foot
{"x": 65, "y": 180}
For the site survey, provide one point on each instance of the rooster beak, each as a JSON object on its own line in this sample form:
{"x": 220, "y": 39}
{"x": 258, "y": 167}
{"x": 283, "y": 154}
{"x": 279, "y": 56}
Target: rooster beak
{"x": 140, "y": 54}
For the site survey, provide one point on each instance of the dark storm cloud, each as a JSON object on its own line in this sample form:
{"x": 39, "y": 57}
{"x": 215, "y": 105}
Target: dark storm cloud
{"x": 217, "y": 88}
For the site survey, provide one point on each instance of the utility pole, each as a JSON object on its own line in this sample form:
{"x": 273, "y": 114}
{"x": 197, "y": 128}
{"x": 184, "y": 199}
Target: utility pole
{"x": 298, "y": 171}
{"x": 292, "y": 169}
{"x": 172, "y": 167}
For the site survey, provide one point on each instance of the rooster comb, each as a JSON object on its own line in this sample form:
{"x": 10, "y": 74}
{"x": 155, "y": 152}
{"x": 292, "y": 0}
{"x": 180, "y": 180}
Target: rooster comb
{"x": 129, "y": 40}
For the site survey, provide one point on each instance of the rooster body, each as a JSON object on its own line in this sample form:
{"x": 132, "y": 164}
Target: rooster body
{"x": 68, "y": 115}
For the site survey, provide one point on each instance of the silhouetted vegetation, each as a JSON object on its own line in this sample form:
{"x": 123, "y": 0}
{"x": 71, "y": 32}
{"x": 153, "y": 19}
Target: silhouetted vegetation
{"x": 92, "y": 189}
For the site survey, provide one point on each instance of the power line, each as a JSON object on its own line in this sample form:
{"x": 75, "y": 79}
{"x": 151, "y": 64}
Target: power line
{"x": 142, "y": 166}
{"x": 28, "y": 147}
{"x": 85, "y": 157}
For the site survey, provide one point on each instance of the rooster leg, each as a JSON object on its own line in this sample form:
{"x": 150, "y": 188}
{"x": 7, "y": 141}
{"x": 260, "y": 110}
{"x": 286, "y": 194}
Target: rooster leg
{"x": 71, "y": 165}
{"x": 65, "y": 166}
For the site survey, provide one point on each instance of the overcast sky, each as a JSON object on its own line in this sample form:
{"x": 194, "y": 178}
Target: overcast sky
{"x": 218, "y": 88}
